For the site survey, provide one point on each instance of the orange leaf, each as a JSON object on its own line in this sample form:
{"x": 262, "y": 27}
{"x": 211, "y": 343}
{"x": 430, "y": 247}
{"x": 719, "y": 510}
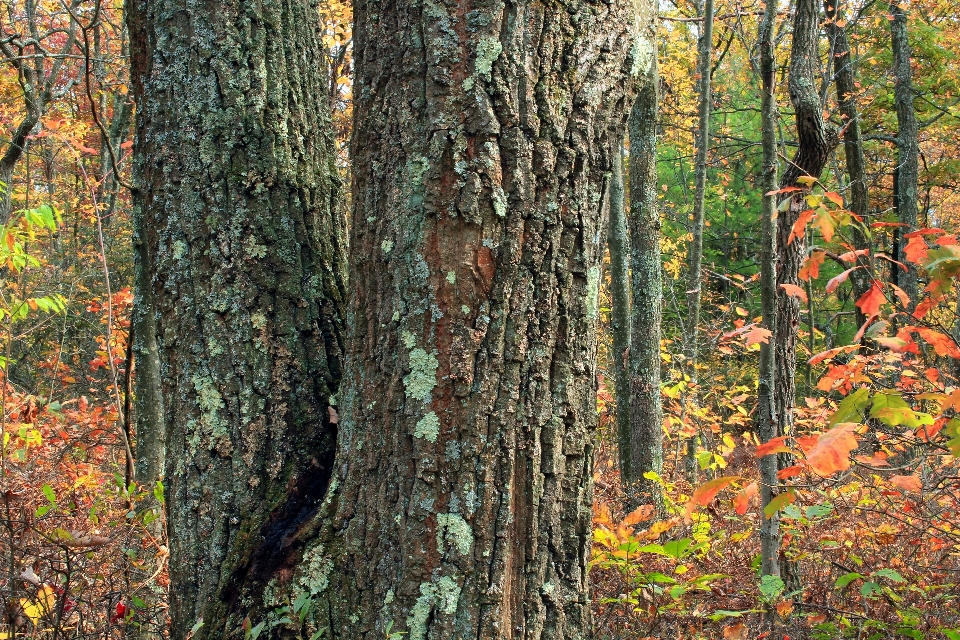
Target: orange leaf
{"x": 798, "y": 227}
{"x": 638, "y": 515}
{"x": 705, "y": 493}
{"x": 831, "y": 453}
{"x": 879, "y": 459}
{"x": 838, "y": 280}
{"x": 901, "y": 295}
{"x": 916, "y": 249}
{"x": 742, "y": 501}
{"x": 908, "y": 483}
{"x": 795, "y": 291}
{"x": 773, "y": 445}
{"x": 758, "y": 334}
{"x": 735, "y": 632}
{"x": 789, "y": 472}
{"x": 870, "y": 302}
{"x": 834, "y": 198}
{"x": 811, "y": 266}
{"x": 825, "y": 222}
{"x": 925, "y": 305}
{"x": 850, "y": 256}
{"x": 943, "y": 344}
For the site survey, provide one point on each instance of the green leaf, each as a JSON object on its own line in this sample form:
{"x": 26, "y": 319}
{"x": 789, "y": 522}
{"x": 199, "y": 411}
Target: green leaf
{"x": 677, "y": 548}
{"x": 818, "y": 510}
{"x": 771, "y": 587}
{"x": 778, "y": 502}
{"x": 846, "y": 579}
{"x": 890, "y": 574}
{"x": 870, "y": 588}
{"x": 951, "y": 634}
{"x": 851, "y": 407}
{"x": 50, "y": 495}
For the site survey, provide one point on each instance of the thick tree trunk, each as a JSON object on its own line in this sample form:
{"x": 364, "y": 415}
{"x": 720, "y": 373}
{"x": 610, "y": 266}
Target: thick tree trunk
{"x": 907, "y": 173}
{"x": 859, "y": 198}
{"x": 481, "y": 155}
{"x": 618, "y": 243}
{"x": 646, "y": 410}
{"x": 766, "y": 409}
{"x": 243, "y": 244}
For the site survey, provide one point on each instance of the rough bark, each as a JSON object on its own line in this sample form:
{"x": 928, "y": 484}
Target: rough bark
{"x": 243, "y": 245}
{"x": 618, "y": 243}
{"x": 646, "y": 411}
{"x": 766, "y": 409}
{"x": 859, "y": 199}
{"x": 816, "y": 139}
{"x": 695, "y": 246}
{"x": 481, "y": 154}
{"x": 907, "y": 173}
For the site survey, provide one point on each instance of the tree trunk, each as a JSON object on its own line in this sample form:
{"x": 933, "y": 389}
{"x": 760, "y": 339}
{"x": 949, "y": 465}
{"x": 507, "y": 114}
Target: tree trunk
{"x": 695, "y": 246}
{"x": 816, "y": 140}
{"x": 244, "y": 248}
{"x": 646, "y": 410}
{"x": 618, "y": 243}
{"x": 481, "y": 155}
{"x": 859, "y": 199}
{"x": 766, "y": 409}
{"x": 907, "y": 173}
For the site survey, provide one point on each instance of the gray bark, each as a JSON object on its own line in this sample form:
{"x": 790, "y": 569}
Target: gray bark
{"x": 859, "y": 199}
{"x": 618, "y": 243}
{"x": 907, "y": 173}
{"x": 767, "y": 409}
{"x": 243, "y": 248}
{"x": 481, "y": 154}
{"x": 646, "y": 410}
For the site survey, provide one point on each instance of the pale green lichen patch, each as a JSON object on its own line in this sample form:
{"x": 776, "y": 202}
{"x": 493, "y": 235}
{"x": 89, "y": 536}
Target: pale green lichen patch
{"x": 451, "y": 277}
{"x": 180, "y": 249}
{"x": 258, "y": 320}
{"x": 387, "y": 246}
{"x": 253, "y": 249}
{"x": 448, "y": 595}
{"x": 428, "y": 427}
{"x": 593, "y": 292}
{"x": 453, "y": 531}
{"x": 444, "y": 595}
{"x": 643, "y": 54}
{"x": 407, "y": 338}
{"x": 488, "y": 50}
{"x": 210, "y": 403}
{"x": 387, "y": 599}
{"x": 316, "y": 571}
{"x": 464, "y": 309}
{"x": 421, "y": 380}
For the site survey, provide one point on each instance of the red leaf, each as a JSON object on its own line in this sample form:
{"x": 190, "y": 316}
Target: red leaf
{"x": 831, "y": 453}
{"x": 789, "y": 472}
{"x": 757, "y": 335}
{"x": 773, "y": 445}
{"x": 943, "y": 344}
{"x": 795, "y": 291}
{"x": 811, "y": 266}
{"x": 850, "y": 256}
{"x": 870, "y": 302}
{"x": 705, "y": 493}
{"x": 834, "y": 198}
{"x": 800, "y": 225}
{"x": 923, "y": 307}
{"x": 742, "y": 501}
{"x": 916, "y": 249}
{"x": 929, "y": 231}
{"x": 907, "y": 483}
{"x": 838, "y": 280}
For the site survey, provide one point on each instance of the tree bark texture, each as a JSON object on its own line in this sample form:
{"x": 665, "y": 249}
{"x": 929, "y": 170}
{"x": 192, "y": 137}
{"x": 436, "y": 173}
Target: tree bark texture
{"x": 646, "y": 408}
{"x": 695, "y": 246}
{"x": 859, "y": 199}
{"x": 243, "y": 243}
{"x": 618, "y": 243}
{"x": 766, "y": 384}
{"x": 481, "y": 158}
{"x": 907, "y": 173}
{"x": 816, "y": 139}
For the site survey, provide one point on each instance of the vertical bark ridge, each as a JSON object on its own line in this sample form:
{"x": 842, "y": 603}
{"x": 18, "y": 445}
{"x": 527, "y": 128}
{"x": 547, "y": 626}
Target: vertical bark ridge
{"x": 245, "y": 246}
{"x": 481, "y": 157}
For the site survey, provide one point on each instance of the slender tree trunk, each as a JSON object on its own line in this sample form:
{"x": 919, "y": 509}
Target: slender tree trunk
{"x": 695, "y": 246}
{"x": 481, "y": 150}
{"x": 767, "y": 410}
{"x": 816, "y": 141}
{"x": 907, "y": 173}
{"x": 243, "y": 244}
{"x": 618, "y": 243}
{"x": 646, "y": 411}
{"x": 859, "y": 199}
